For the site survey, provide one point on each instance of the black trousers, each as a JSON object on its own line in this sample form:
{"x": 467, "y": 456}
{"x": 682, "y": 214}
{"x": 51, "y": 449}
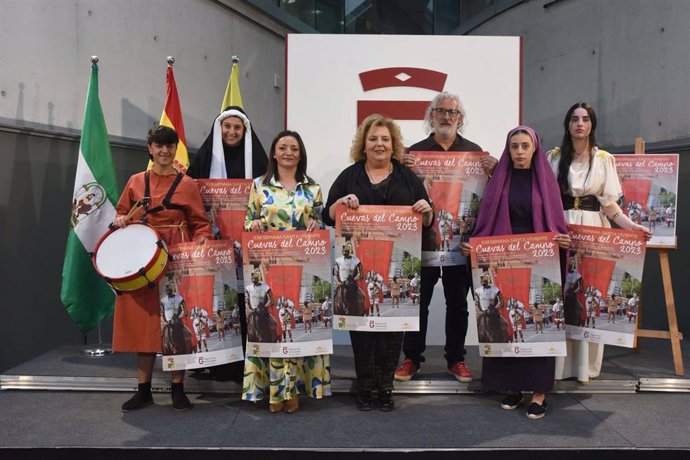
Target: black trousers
{"x": 456, "y": 282}
{"x": 376, "y": 358}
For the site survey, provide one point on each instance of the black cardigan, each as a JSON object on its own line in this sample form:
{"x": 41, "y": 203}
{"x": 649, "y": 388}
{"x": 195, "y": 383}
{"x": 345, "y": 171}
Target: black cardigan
{"x": 404, "y": 189}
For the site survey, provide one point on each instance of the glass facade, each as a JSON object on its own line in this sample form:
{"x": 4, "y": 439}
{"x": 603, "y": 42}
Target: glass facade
{"x": 416, "y": 17}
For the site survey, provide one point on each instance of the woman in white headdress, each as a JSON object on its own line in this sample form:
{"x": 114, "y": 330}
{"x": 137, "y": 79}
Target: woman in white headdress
{"x": 232, "y": 149}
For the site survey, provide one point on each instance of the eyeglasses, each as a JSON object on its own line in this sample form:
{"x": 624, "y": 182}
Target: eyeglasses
{"x": 450, "y": 112}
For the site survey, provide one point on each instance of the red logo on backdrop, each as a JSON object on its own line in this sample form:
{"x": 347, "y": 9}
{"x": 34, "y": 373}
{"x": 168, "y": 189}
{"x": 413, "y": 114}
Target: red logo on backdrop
{"x": 393, "y": 77}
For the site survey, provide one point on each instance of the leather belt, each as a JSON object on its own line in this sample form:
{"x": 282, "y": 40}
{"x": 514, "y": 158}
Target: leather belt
{"x": 584, "y": 203}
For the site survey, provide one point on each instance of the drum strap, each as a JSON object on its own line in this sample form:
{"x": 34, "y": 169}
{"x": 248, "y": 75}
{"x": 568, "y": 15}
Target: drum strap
{"x": 166, "y": 199}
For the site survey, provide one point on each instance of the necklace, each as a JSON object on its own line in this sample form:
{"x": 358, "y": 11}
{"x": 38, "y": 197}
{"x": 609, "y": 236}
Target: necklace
{"x": 371, "y": 179}
{"x": 581, "y": 156}
{"x": 382, "y": 184}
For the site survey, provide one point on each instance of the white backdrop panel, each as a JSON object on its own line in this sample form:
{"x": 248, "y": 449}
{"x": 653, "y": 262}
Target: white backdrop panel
{"x": 323, "y": 87}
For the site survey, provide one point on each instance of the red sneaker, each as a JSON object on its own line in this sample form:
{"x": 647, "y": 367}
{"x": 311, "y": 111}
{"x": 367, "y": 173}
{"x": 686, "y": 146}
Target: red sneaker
{"x": 461, "y": 372}
{"x": 406, "y": 371}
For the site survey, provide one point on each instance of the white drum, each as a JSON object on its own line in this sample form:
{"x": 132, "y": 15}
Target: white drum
{"x": 131, "y": 257}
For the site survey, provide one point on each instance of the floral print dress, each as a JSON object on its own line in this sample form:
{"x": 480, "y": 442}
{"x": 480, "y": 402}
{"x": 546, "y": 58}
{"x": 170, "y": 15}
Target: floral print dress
{"x": 281, "y": 379}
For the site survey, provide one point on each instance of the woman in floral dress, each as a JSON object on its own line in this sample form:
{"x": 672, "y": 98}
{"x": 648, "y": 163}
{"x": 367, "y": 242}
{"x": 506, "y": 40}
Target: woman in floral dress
{"x": 285, "y": 198}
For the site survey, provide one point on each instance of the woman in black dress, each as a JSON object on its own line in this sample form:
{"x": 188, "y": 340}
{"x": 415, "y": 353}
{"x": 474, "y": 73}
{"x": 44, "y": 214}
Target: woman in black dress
{"x": 377, "y": 177}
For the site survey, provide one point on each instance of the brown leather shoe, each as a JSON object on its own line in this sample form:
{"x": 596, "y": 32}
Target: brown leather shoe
{"x": 292, "y": 404}
{"x": 276, "y": 407}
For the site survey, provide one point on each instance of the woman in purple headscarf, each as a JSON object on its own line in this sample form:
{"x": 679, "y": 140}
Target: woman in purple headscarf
{"x": 521, "y": 197}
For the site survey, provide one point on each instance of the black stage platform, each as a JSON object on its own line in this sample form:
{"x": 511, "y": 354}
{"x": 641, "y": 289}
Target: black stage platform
{"x": 64, "y": 405}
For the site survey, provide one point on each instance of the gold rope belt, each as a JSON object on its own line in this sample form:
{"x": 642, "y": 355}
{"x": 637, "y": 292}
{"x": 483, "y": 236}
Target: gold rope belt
{"x": 181, "y": 227}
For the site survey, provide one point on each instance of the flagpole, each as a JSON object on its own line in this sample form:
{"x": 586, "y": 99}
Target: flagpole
{"x": 99, "y": 350}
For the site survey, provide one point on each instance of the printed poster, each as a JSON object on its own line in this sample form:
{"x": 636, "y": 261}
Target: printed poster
{"x": 200, "y": 323}
{"x": 603, "y": 284}
{"x": 225, "y": 201}
{"x": 377, "y": 268}
{"x": 517, "y": 295}
{"x": 650, "y": 192}
{"x": 455, "y": 183}
{"x": 287, "y": 292}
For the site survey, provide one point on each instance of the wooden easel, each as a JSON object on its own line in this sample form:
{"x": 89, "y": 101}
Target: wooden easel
{"x": 672, "y": 334}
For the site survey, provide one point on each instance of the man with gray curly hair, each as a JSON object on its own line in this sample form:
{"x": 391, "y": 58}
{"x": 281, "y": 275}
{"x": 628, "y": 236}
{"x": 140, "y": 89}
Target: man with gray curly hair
{"x": 439, "y": 126}
{"x": 444, "y": 120}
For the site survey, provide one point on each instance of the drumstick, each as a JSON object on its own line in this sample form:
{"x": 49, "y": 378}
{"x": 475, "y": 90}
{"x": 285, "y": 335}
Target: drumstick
{"x": 137, "y": 206}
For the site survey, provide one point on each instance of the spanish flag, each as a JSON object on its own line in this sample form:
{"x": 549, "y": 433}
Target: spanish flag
{"x": 232, "y": 91}
{"x": 172, "y": 117}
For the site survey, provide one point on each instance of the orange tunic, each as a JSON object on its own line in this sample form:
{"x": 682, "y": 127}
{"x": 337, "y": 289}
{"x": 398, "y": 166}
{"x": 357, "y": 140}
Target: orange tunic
{"x": 136, "y": 326}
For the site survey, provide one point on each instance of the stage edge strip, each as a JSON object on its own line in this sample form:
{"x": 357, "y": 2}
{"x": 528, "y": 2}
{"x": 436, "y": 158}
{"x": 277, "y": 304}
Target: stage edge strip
{"x": 343, "y": 385}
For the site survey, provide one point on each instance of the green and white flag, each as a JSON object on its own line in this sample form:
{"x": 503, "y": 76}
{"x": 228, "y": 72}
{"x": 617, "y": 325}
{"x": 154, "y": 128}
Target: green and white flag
{"x": 84, "y": 293}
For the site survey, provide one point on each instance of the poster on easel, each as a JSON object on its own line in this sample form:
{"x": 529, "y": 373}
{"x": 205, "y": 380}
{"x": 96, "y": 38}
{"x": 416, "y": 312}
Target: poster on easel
{"x": 455, "y": 183}
{"x": 199, "y": 307}
{"x": 287, "y": 288}
{"x": 378, "y": 263}
{"x": 225, "y": 202}
{"x": 603, "y": 284}
{"x": 650, "y": 193}
{"x": 517, "y": 295}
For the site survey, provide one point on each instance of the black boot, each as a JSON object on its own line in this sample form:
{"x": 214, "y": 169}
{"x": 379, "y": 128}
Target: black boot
{"x": 364, "y": 401}
{"x": 385, "y": 401}
{"x": 140, "y": 399}
{"x": 180, "y": 401}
